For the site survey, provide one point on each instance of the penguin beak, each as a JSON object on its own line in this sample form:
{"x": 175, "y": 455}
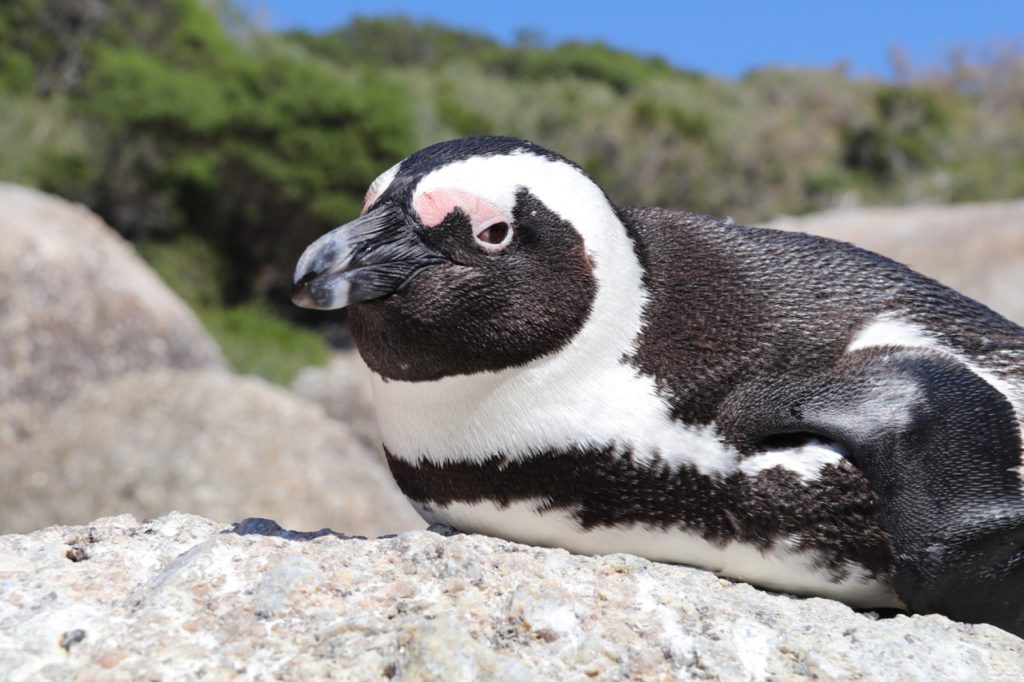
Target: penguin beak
{"x": 371, "y": 257}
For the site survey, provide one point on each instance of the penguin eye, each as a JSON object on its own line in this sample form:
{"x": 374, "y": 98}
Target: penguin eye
{"x": 494, "y": 236}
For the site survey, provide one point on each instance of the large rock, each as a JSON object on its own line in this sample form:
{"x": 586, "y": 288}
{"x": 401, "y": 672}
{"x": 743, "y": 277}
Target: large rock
{"x": 182, "y": 597}
{"x": 977, "y": 249}
{"x": 77, "y": 304}
{"x": 114, "y": 398}
{"x": 342, "y": 388}
{"x": 205, "y": 442}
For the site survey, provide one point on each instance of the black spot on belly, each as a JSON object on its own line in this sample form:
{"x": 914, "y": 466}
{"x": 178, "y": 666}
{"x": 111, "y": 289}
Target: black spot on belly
{"x": 835, "y": 515}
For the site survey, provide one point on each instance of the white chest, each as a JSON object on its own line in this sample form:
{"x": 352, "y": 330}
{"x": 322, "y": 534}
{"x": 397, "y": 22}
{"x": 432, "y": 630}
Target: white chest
{"x": 549, "y": 406}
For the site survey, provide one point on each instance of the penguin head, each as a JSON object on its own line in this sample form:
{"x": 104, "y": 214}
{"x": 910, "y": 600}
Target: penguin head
{"x": 470, "y": 256}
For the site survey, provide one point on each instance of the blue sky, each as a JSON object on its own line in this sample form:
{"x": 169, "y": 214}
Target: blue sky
{"x": 721, "y": 38}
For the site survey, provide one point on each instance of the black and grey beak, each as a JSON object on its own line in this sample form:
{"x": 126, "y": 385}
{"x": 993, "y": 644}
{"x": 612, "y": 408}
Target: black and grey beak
{"x": 373, "y": 256}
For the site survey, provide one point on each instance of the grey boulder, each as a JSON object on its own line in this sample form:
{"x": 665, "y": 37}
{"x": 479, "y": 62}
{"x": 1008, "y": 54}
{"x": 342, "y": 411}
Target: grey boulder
{"x": 205, "y": 442}
{"x": 78, "y": 305}
{"x": 183, "y": 597}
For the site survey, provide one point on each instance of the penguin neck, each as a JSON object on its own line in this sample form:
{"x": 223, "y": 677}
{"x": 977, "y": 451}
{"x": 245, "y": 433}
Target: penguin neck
{"x": 585, "y": 396}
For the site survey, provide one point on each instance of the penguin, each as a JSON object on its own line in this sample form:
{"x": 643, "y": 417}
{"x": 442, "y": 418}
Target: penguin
{"x": 778, "y": 408}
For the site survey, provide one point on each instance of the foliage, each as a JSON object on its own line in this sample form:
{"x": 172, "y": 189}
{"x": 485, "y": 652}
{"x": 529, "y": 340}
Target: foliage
{"x": 906, "y": 135}
{"x": 190, "y": 266}
{"x": 400, "y": 42}
{"x": 252, "y": 337}
{"x": 191, "y": 130}
{"x": 195, "y": 134}
{"x": 256, "y": 341}
{"x": 41, "y": 144}
{"x": 395, "y": 42}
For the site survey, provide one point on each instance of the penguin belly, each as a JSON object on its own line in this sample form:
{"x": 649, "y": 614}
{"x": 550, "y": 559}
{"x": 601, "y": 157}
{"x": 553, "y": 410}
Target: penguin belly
{"x": 797, "y": 520}
{"x": 782, "y": 568}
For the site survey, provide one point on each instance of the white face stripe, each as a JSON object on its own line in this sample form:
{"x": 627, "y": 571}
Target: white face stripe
{"x": 560, "y": 186}
{"x": 780, "y": 568}
{"x": 564, "y": 189}
{"x": 379, "y": 186}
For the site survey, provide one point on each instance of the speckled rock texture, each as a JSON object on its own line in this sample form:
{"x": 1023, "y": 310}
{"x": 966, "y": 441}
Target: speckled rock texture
{"x": 183, "y": 597}
{"x": 77, "y": 304}
{"x": 977, "y": 249}
{"x": 205, "y": 442}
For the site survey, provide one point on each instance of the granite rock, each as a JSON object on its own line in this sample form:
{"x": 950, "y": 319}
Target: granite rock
{"x": 182, "y": 597}
{"x": 205, "y": 442}
{"x": 113, "y": 398}
{"x": 78, "y": 305}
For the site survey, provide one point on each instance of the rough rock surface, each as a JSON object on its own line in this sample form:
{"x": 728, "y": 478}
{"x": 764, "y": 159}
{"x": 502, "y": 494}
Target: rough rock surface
{"x": 182, "y": 597}
{"x": 77, "y": 304}
{"x": 205, "y": 442}
{"x": 977, "y": 249}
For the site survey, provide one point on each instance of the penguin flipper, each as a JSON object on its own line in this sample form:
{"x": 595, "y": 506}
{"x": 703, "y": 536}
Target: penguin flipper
{"x": 939, "y": 446}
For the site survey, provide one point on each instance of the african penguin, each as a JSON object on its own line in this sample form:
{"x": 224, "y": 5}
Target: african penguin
{"x": 778, "y": 408}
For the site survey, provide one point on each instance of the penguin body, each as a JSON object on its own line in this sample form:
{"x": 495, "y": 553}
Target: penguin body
{"x": 777, "y": 408}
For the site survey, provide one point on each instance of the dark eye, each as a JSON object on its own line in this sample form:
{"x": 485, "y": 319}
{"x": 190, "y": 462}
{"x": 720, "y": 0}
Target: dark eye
{"x": 493, "y": 234}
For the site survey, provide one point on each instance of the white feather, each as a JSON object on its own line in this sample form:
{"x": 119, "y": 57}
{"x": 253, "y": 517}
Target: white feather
{"x": 380, "y": 185}
{"x": 890, "y": 330}
{"x": 806, "y": 460}
{"x": 781, "y": 568}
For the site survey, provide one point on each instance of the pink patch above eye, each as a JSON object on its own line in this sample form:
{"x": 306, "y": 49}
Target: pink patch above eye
{"x": 433, "y": 207}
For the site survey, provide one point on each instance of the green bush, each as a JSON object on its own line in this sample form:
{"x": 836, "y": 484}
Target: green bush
{"x": 256, "y": 341}
{"x": 907, "y": 135}
{"x": 42, "y": 145}
{"x": 191, "y": 267}
{"x": 253, "y": 338}
{"x": 250, "y": 145}
{"x": 225, "y": 151}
